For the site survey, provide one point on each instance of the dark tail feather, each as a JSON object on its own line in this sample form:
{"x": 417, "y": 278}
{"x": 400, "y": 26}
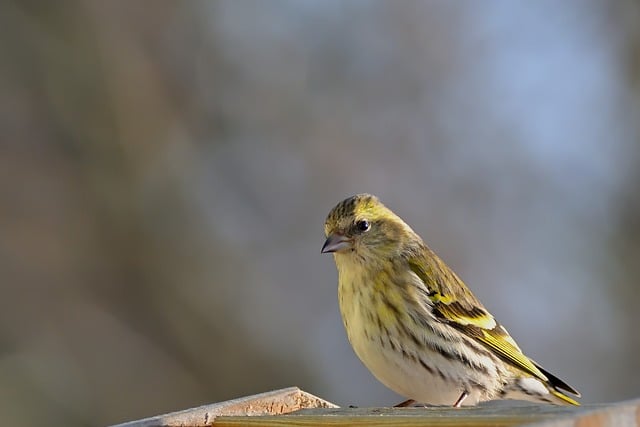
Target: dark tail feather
{"x": 557, "y": 383}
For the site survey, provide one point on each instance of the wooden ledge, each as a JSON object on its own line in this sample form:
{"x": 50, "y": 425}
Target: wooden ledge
{"x": 625, "y": 414}
{"x": 294, "y": 407}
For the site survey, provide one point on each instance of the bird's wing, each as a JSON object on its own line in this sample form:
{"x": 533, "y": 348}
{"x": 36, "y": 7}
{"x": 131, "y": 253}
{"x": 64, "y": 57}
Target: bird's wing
{"x": 459, "y": 308}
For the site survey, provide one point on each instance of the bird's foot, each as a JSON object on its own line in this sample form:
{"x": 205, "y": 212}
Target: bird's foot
{"x": 462, "y": 397}
{"x": 406, "y": 403}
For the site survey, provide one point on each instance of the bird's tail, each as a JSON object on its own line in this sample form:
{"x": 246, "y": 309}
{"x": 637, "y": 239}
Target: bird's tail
{"x": 533, "y": 389}
{"x": 559, "y": 388}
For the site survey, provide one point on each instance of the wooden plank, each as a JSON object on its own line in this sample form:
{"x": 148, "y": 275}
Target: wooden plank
{"x": 270, "y": 403}
{"x": 624, "y": 414}
{"x": 294, "y": 407}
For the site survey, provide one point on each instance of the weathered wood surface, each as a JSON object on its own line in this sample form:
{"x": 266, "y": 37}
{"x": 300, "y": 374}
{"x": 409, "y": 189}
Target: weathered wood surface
{"x": 270, "y": 403}
{"x": 294, "y": 407}
{"x": 622, "y": 414}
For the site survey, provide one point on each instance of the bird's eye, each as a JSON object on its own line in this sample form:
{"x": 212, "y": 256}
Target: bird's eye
{"x": 363, "y": 225}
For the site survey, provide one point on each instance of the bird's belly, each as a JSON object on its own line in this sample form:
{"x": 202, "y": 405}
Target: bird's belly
{"x": 418, "y": 373}
{"x": 404, "y": 373}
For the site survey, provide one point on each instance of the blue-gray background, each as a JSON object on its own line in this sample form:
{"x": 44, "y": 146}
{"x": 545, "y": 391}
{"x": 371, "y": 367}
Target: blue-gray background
{"x": 166, "y": 167}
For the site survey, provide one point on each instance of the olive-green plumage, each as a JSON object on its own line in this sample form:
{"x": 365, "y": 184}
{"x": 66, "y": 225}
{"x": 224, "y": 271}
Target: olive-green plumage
{"x": 415, "y": 324}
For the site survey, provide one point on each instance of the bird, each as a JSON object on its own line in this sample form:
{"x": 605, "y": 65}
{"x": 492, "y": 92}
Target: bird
{"x": 415, "y": 324}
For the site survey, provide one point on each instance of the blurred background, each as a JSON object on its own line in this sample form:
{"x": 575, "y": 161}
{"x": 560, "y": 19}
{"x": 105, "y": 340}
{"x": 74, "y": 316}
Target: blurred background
{"x": 166, "y": 167}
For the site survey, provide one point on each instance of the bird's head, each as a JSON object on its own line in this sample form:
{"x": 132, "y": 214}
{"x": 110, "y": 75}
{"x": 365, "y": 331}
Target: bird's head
{"x": 362, "y": 226}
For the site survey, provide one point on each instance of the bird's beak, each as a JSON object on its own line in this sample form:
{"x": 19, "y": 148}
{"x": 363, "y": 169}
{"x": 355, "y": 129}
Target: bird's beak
{"x": 335, "y": 243}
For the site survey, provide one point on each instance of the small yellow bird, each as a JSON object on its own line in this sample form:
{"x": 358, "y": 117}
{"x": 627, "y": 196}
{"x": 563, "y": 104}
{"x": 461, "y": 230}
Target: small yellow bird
{"x": 415, "y": 325}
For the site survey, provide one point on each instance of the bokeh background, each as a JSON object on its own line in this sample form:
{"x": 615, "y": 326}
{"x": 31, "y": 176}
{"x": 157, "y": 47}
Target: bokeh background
{"x": 166, "y": 167}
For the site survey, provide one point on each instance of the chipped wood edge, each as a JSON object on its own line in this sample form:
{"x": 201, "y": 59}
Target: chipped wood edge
{"x": 274, "y": 402}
